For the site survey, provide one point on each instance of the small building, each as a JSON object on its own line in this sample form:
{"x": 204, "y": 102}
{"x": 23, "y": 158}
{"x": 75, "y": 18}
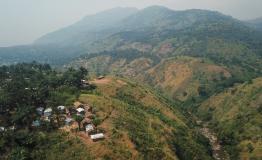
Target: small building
{"x": 98, "y": 136}
{"x": 80, "y": 110}
{"x": 85, "y": 83}
{"x": 61, "y": 108}
{"x": 40, "y": 110}
{"x": 36, "y": 123}
{"x": 68, "y": 121}
{"x": 12, "y": 128}
{"x": 101, "y": 77}
{"x": 2, "y": 129}
{"x": 89, "y": 128}
{"x": 48, "y": 112}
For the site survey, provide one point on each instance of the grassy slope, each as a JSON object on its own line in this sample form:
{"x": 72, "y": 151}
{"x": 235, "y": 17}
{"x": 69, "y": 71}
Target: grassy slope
{"x": 140, "y": 124}
{"x": 179, "y": 77}
{"x": 236, "y": 114}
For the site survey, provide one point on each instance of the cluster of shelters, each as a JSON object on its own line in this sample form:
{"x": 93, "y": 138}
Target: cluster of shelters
{"x": 90, "y": 129}
{"x": 45, "y": 114}
{"x": 81, "y": 110}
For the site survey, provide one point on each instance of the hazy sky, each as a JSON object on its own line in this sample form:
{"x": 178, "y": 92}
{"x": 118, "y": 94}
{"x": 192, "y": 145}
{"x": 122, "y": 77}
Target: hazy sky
{"x": 22, "y": 21}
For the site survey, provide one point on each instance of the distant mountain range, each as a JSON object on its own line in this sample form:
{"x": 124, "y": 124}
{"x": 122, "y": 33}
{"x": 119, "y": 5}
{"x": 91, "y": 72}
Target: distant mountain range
{"x": 256, "y": 23}
{"x": 207, "y": 62}
{"x": 109, "y": 29}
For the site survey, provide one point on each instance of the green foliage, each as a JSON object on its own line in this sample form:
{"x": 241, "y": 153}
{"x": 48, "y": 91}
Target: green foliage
{"x": 25, "y": 87}
{"x": 78, "y": 119}
{"x": 234, "y": 114}
{"x": 185, "y": 143}
{"x": 43, "y": 145}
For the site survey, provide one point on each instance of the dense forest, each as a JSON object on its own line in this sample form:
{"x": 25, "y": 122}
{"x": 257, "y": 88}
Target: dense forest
{"x": 25, "y": 87}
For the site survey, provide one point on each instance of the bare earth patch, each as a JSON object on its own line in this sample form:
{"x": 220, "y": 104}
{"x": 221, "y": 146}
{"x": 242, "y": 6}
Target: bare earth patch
{"x": 102, "y": 81}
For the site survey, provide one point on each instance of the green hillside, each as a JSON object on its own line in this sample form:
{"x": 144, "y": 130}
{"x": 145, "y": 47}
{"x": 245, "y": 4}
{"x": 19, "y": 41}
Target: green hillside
{"x": 140, "y": 124}
{"x": 175, "y": 66}
{"x": 236, "y": 116}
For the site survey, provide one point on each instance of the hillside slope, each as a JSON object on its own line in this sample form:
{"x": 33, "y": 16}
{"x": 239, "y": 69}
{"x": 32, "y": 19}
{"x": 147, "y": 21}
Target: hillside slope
{"x": 179, "y": 77}
{"x": 90, "y": 28}
{"x": 236, "y": 116}
{"x": 139, "y": 124}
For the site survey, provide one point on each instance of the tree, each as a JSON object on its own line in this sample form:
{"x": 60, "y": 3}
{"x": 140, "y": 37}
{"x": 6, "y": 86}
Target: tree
{"x": 250, "y": 147}
{"x": 78, "y": 119}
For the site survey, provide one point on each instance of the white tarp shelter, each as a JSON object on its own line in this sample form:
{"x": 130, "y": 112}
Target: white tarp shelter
{"x": 48, "y": 112}
{"x": 61, "y": 108}
{"x": 80, "y": 110}
{"x": 2, "y": 129}
{"x": 97, "y": 136}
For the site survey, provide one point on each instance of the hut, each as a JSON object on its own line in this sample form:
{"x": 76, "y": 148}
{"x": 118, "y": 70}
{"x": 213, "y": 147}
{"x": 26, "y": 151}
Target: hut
{"x": 36, "y": 123}
{"x": 68, "y": 121}
{"x": 80, "y": 110}
{"x": 101, "y": 77}
{"x": 85, "y": 83}
{"x": 40, "y": 110}
{"x": 61, "y": 108}
{"x": 48, "y": 112}
{"x": 89, "y": 128}
{"x": 2, "y": 129}
{"x": 98, "y": 136}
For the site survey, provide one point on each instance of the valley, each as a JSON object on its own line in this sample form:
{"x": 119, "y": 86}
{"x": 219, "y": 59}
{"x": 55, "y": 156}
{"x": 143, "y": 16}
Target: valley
{"x": 153, "y": 83}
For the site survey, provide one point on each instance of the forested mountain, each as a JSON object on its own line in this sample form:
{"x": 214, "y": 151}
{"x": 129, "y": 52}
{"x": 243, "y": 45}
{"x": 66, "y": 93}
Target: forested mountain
{"x": 197, "y": 64}
{"x": 139, "y": 29}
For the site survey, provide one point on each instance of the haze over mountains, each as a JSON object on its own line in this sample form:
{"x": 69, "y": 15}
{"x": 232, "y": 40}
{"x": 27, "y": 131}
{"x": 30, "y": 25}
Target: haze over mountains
{"x": 206, "y": 64}
{"x": 257, "y": 23}
{"x": 82, "y": 37}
